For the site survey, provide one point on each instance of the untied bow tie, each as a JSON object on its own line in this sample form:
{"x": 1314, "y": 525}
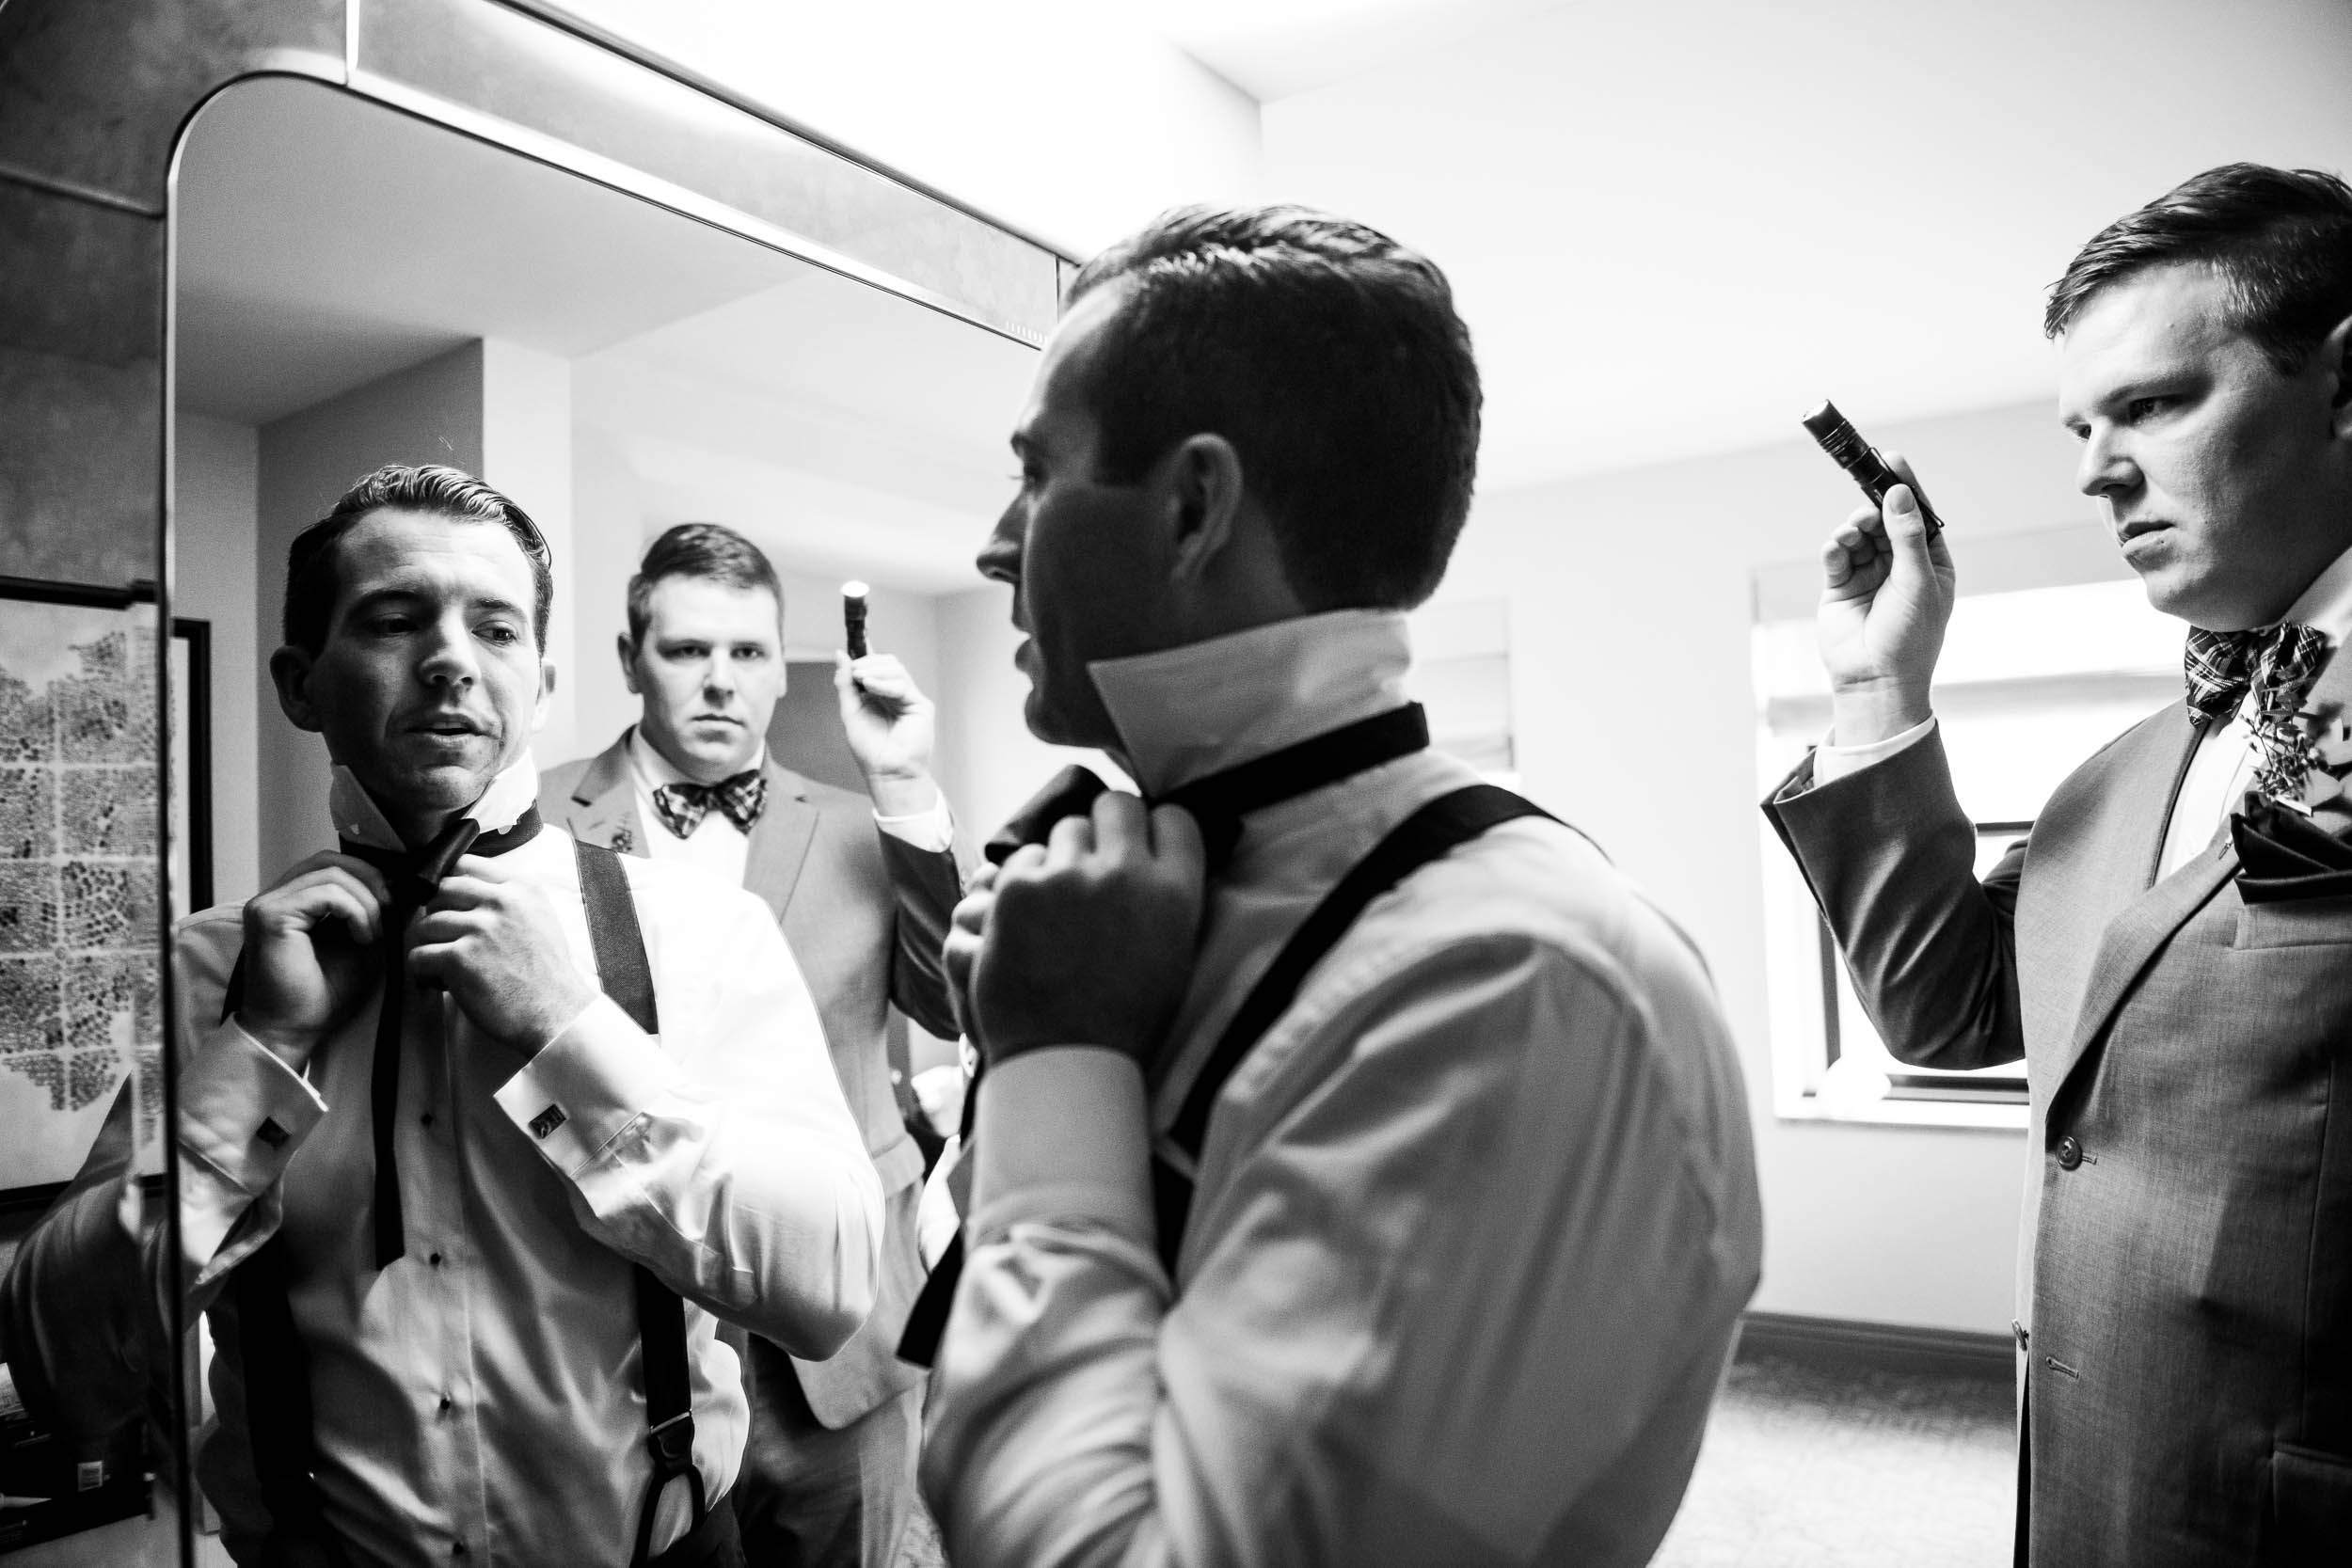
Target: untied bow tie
{"x": 740, "y": 799}
{"x": 414, "y": 877}
{"x": 2277, "y": 665}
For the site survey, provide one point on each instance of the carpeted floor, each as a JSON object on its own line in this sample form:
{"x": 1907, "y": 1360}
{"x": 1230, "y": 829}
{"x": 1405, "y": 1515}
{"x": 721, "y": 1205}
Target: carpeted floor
{"x": 1809, "y": 1468}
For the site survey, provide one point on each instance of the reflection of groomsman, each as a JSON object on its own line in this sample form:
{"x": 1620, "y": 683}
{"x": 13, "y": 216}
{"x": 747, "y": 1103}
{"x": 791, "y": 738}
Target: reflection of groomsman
{"x": 863, "y": 894}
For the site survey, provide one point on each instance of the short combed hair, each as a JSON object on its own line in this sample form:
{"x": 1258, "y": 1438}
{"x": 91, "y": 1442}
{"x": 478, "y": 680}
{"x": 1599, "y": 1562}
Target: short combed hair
{"x": 312, "y": 588}
{"x": 2280, "y": 240}
{"x": 1332, "y": 360}
{"x": 710, "y": 552}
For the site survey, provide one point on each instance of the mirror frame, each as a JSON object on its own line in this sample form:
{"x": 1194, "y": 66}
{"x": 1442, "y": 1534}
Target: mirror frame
{"x": 96, "y": 97}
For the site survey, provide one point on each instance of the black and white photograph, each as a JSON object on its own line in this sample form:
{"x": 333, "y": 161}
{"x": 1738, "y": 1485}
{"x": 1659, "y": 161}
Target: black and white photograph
{"x": 1224, "y": 784}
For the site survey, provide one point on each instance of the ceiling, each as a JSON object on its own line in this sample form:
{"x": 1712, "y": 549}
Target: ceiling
{"x": 324, "y": 241}
{"x": 1273, "y": 49}
{"x": 1674, "y": 225}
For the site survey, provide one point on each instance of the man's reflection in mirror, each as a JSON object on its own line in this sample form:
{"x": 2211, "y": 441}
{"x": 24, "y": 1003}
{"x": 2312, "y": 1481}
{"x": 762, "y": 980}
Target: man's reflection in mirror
{"x": 863, "y": 888}
{"x": 481, "y": 1129}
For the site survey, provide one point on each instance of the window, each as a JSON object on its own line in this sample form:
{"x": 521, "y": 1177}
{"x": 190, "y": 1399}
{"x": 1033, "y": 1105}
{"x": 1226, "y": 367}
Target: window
{"x": 2032, "y": 681}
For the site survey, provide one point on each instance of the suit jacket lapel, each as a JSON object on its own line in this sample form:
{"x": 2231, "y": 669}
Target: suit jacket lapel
{"x": 2137, "y": 913}
{"x": 603, "y": 807}
{"x": 780, "y": 839}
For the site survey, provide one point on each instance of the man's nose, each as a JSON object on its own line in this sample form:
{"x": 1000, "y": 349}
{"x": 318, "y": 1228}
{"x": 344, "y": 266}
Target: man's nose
{"x": 719, "y": 676}
{"x": 2106, "y": 468}
{"x": 449, "y": 659}
{"x": 999, "y": 559}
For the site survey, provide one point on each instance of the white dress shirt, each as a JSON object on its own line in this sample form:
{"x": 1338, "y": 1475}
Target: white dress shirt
{"x": 2220, "y": 770}
{"x": 1471, "y": 1226}
{"x": 717, "y": 845}
{"x": 480, "y": 1398}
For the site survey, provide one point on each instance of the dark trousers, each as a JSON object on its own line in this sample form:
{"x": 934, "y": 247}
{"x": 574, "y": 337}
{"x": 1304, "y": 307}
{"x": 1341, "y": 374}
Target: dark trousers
{"x": 808, "y": 1496}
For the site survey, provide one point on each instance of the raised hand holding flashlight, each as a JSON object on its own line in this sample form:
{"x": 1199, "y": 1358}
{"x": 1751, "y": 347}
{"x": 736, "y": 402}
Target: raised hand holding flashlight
{"x": 888, "y": 721}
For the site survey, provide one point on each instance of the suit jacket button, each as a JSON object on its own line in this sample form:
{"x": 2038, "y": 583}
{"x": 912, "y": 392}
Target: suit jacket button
{"x": 2070, "y": 1153}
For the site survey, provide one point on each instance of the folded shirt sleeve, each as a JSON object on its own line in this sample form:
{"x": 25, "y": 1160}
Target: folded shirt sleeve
{"x": 720, "y": 1154}
{"x": 932, "y": 830}
{"x": 243, "y": 1113}
{"x": 1831, "y": 761}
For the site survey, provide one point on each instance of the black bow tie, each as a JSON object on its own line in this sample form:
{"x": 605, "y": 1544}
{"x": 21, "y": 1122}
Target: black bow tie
{"x": 415, "y": 876}
{"x": 740, "y": 799}
{"x": 2221, "y": 666}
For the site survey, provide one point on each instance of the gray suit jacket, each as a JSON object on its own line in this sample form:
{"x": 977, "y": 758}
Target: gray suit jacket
{"x": 866, "y": 915}
{"x": 2185, "y": 1276}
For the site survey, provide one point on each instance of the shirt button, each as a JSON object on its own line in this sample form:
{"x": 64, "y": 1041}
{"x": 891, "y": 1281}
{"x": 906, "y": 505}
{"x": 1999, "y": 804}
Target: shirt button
{"x": 445, "y": 1403}
{"x": 426, "y": 1120}
{"x": 434, "y": 1260}
{"x": 457, "y": 1548}
{"x": 2070, "y": 1153}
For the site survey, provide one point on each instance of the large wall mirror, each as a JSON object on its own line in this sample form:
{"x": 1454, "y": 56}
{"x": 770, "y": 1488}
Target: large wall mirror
{"x": 351, "y": 284}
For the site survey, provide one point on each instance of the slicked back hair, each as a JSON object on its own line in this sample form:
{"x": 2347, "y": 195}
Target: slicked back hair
{"x": 2280, "y": 240}
{"x": 312, "y": 586}
{"x": 710, "y": 552}
{"x": 1332, "y": 360}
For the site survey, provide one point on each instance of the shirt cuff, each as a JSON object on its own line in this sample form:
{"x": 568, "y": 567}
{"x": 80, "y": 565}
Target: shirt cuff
{"x": 243, "y": 1113}
{"x": 1062, "y": 1132}
{"x": 933, "y": 830}
{"x": 586, "y": 1084}
{"x": 1831, "y": 762}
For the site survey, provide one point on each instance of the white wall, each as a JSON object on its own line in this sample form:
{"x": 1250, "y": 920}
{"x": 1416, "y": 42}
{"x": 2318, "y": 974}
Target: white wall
{"x": 1630, "y": 604}
{"x": 527, "y": 453}
{"x": 215, "y": 522}
{"x": 989, "y": 761}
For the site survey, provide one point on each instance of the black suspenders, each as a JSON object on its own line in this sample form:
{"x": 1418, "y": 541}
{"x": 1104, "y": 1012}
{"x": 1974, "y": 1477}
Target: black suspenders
{"x": 277, "y": 1379}
{"x": 619, "y": 945}
{"x": 1429, "y": 835}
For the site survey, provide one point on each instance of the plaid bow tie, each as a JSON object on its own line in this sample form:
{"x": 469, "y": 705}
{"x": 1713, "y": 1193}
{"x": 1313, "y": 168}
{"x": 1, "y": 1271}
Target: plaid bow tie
{"x": 2277, "y": 665}
{"x": 740, "y": 799}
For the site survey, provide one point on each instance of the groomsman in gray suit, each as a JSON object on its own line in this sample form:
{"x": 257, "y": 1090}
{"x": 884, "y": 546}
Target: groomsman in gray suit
{"x": 863, "y": 890}
{"x": 2170, "y": 949}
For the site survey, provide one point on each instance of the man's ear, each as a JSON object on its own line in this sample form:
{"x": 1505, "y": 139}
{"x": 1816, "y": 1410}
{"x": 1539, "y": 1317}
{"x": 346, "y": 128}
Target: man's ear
{"x": 628, "y": 651}
{"x": 1203, "y": 479}
{"x": 290, "y": 671}
{"x": 546, "y": 704}
{"x": 2335, "y": 352}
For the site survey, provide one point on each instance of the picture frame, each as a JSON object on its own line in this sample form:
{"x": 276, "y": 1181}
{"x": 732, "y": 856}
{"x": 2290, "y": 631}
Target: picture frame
{"x": 81, "y": 830}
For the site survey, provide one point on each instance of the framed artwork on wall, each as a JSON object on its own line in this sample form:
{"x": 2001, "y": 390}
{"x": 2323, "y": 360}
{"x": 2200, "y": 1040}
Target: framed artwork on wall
{"x": 80, "y": 830}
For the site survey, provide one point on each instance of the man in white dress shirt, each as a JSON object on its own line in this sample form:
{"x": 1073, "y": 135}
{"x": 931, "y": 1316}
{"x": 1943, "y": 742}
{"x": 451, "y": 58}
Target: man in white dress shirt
{"x": 862, "y": 888}
{"x": 1469, "y": 1230}
{"x": 2167, "y": 950}
{"x": 433, "y": 1174}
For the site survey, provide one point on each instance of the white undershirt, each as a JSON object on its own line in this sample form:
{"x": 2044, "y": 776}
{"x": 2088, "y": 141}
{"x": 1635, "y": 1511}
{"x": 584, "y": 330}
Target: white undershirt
{"x": 721, "y": 848}
{"x": 2220, "y": 771}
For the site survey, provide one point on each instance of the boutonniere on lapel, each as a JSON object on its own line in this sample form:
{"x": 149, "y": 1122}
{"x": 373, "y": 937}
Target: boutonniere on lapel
{"x": 624, "y": 842}
{"x": 2299, "y": 844}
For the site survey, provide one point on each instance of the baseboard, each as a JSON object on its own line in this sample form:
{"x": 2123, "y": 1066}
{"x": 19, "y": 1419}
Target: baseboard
{"x": 1846, "y": 1344}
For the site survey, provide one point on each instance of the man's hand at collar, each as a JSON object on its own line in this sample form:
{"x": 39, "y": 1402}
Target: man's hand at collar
{"x": 310, "y": 955}
{"x": 493, "y": 941}
{"x": 1085, "y": 940}
{"x": 890, "y": 725}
